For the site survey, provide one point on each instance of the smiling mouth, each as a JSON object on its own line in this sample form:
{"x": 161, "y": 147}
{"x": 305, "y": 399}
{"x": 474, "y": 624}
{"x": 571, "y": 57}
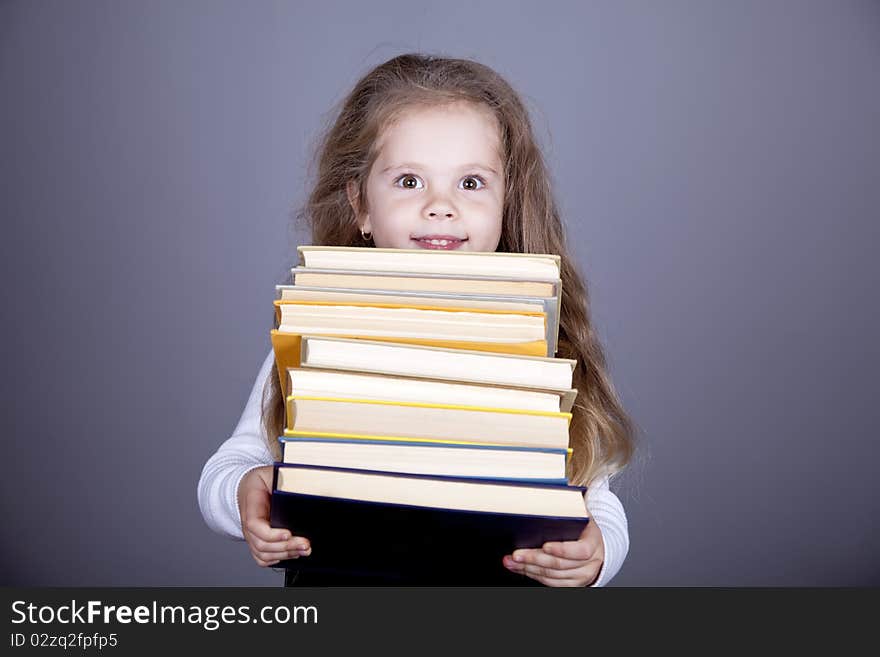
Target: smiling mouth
{"x": 439, "y": 241}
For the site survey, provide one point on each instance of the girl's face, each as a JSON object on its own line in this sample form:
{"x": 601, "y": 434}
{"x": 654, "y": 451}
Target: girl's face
{"x": 438, "y": 181}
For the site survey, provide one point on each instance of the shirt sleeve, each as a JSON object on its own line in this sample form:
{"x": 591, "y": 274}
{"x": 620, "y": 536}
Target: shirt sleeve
{"x": 607, "y": 512}
{"x": 242, "y": 452}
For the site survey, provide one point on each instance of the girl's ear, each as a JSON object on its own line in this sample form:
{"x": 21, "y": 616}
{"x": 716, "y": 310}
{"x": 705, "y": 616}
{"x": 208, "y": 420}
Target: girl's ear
{"x": 363, "y": 220}
{"x": 351, "y": 191}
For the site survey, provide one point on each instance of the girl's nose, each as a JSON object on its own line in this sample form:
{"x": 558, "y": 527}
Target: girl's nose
{"x": 439, "y": 208}
{"x": 439, "y": 204}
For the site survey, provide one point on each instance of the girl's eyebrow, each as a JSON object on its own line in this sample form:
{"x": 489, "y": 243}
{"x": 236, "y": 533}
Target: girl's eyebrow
{"x": 415, "y": 165}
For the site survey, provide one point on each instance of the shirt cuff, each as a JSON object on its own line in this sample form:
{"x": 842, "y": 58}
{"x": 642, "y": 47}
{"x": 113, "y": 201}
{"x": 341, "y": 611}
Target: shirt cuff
{"x": 236, "y": 511}
{"x": 609, "y": 517}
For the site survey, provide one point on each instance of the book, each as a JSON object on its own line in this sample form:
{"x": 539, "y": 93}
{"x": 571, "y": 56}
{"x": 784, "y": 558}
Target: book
{"x": 358, "y": 418}
{"x": 423, "y": 410}
{"x": 418, "y": 322}
{"x": 415, "y": 530}
{"x": 522, "y": 274}
{"x": 379, "y": 357}
{"x": 410, "y": 282}
{"x": 445, "y": 327}
{"x": 505, "y": 303}
{"x": 309, "y": 382}
{"x": 524, "y": 266}
{"x": 343, "y": 296}
{"x": 449, "y": 493}
{"x": 537, "y": 465}
{"x": 287, "y": 348}
{"x": 478, "y": 281}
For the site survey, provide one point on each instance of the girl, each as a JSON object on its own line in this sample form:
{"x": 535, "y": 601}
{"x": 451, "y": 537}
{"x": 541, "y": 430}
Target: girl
{"x": 429, "y": 152}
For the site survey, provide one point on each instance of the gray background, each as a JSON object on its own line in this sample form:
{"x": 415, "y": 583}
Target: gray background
{"x": 718, "y": 167}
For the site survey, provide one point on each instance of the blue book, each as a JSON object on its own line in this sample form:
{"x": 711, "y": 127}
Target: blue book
{"x": 467, "y": 460}
{"x": 389, "y": 528}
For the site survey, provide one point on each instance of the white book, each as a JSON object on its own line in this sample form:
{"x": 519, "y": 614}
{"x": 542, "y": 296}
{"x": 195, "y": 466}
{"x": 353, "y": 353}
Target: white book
{"x": 558, "y": 501}
{"x": 412, "y": 323}
{"x": 306, "y": 382}
{"x": 518, "y": 265}
{"x": 353, "y": 418}
{"x": 525, "y": 464}
{"x": 481, "y": 367}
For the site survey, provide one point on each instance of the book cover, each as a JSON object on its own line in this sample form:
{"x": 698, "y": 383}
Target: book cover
{"x": 353, "y": 541}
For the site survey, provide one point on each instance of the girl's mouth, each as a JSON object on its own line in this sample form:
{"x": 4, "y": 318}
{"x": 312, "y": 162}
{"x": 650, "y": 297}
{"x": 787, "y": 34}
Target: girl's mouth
{"x": 442, "y": 242}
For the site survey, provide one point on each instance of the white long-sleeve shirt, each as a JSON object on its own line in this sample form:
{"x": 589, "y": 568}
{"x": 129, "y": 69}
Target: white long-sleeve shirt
{"x": 247, "y": 448}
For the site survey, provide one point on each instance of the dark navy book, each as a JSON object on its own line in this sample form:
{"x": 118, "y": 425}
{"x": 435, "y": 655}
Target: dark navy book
{"x": 356, "y": 542}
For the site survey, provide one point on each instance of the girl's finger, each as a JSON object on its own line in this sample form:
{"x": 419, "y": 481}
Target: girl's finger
{"x": 541, "y": 558}
{"x": 297, "y": 543}
{"x": 262, "y": 530}
{"x": 263, "y": 563}
{"x": 260, "y": 545}
{"x": 525, "y": 554}
{"x": 559, "y": 583}
{"x": 274, "y": 557}
{"x": 575, "y": 577}
{"x": 537, "y": 571}
{"x": 575, "y": 550}
{"x": 541, "y": 572}
{"x": 263, "y": 536}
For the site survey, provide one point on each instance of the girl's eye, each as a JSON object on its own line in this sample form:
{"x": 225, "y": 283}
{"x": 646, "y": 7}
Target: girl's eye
{"x": 472, "y": 183}
{"x": 408, "y": 181}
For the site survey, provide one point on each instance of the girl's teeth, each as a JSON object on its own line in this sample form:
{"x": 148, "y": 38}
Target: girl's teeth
{"x": 439, "y": 242}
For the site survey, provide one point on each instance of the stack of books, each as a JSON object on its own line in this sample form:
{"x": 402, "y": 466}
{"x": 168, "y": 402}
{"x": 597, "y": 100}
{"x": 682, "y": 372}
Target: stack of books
{"x": 426, "y": 431}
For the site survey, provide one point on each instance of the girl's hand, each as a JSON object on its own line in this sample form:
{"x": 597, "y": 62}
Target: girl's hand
{"x": 268, "y": 545}
{"x": 565, "y": 563}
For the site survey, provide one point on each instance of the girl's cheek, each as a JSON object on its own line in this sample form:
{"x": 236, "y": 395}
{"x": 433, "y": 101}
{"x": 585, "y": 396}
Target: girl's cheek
{"x": 487, "y": 203}
{"x": 400, "y": 205}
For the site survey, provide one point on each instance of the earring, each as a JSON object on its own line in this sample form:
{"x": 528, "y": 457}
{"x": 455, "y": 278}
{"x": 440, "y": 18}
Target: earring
{"x": 366, "y": 236}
